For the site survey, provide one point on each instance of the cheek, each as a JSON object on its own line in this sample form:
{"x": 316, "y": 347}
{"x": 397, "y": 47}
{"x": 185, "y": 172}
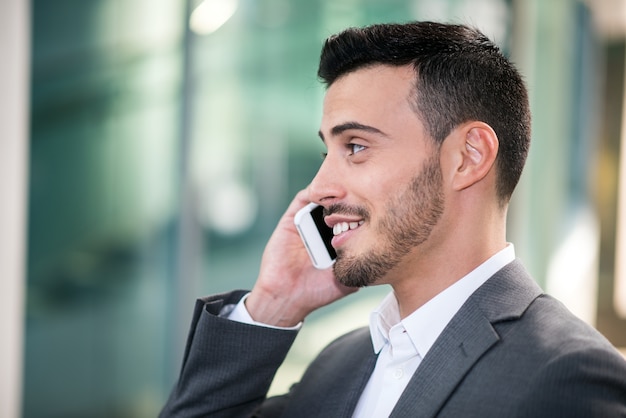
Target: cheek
{"x": 388, "y": 184}
{"x": 374, "y": 184}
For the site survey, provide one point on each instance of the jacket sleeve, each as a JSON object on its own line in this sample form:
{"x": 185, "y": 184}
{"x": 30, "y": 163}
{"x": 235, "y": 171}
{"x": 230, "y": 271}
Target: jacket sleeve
{"x": 228, "y": 366}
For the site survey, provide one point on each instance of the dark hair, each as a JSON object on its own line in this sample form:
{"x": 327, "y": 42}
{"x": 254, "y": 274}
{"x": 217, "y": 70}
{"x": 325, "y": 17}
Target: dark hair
{"x": 460, "y": 76}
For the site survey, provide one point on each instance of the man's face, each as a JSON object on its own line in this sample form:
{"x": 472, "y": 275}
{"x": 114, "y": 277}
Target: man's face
{"x": 381, "y": 180}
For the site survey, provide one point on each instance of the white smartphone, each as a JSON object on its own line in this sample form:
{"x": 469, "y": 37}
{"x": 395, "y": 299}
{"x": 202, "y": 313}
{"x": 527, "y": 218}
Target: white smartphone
{"x": 316, "y": 235}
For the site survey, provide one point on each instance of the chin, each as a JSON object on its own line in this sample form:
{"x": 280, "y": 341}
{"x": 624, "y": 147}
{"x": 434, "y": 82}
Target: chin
{"x": 361, "y": 271}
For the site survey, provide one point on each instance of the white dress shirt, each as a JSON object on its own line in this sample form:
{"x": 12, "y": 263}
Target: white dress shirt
{"x": 402, "y": 344}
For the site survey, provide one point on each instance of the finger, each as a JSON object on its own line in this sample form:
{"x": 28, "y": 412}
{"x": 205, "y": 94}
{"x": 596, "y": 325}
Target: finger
{"x": 300, "y": 200}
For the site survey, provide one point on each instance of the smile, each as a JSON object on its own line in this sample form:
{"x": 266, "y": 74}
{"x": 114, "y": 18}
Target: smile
{"x": 342, "y": 227}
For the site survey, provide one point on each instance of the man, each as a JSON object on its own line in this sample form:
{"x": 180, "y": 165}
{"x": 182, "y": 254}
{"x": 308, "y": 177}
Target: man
{"x": 427, "y": 129}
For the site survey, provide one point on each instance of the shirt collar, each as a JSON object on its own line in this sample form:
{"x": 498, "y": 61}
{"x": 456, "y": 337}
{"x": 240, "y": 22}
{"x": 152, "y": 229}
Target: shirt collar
{"x": 426, "y": 324}
{"x": 382, "y": 319}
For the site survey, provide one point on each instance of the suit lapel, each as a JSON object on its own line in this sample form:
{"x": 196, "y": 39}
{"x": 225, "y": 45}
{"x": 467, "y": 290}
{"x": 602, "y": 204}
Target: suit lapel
{"x": 465, "y": 339}
{"x": 359, "y": 368}
{"x": 461, "y": 344}
{"x": 333, "y": 383}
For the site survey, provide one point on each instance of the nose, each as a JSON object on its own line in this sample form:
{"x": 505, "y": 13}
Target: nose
{"x": 327, "y": 185}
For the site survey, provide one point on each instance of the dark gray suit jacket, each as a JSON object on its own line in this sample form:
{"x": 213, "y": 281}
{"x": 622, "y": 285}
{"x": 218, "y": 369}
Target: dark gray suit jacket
{"x": 510, "y": 351}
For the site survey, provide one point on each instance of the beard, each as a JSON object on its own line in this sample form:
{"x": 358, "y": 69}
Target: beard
{"x": 410, "y": 218}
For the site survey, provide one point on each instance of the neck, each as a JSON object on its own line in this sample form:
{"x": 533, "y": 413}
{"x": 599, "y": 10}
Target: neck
{"x": 437, "y": 264}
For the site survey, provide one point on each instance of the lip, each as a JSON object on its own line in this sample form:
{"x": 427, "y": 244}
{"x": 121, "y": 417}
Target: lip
{"x": 339, "y": 240}
{"x": 334, "y": 219}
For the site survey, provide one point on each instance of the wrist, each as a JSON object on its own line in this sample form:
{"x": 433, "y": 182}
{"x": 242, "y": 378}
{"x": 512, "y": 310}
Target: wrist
{"x": 273, "y": 310}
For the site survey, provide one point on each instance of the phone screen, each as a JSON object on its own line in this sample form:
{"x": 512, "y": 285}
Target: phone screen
{"x": 327, "y": 233}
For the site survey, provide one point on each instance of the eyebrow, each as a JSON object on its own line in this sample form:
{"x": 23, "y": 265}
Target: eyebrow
{"x": 339, "y": 129}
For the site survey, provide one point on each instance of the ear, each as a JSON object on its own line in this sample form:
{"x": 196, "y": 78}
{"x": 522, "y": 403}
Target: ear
{"x": 476, "y": 148}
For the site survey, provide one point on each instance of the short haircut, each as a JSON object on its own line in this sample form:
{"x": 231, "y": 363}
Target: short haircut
{"x": 461, "y": 76}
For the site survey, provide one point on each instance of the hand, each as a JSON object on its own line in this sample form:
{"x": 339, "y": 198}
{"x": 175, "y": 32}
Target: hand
{"x": 289, "y": 287}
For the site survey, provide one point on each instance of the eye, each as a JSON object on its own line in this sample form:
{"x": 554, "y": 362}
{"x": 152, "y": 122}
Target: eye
{"x": 356, "y": 148}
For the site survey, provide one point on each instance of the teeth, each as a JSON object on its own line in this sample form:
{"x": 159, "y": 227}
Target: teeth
{"x": 344, "y": 226}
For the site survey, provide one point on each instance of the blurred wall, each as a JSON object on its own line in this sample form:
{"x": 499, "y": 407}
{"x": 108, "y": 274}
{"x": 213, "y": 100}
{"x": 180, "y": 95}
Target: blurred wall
{"x": 14, "y": 45}
{"x": 105, "y": 127}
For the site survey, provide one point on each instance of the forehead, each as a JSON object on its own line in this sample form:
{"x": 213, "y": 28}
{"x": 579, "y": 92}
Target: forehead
{"x": 378, "y": 96}
{"x": 373, "y": 82}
